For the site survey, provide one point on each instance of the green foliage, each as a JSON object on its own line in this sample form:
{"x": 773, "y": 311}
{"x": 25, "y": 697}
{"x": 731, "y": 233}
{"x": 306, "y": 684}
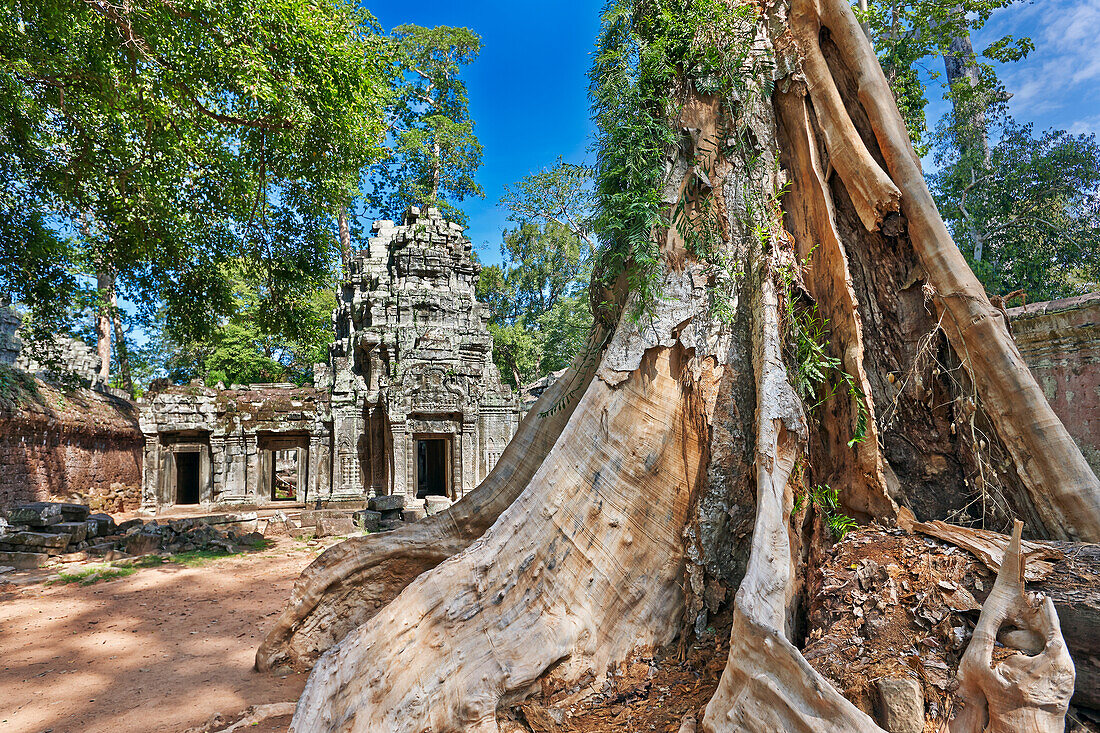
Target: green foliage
{"x": 245, "y": 348}
{"x": 648, "y": 52}
{"x": 17, "y": 386}
{"x": 905, "y": 33}
{"x": 560, "y": 195}
{"x": 815, "y": 374}
{"x": 826, "y": 499}
{"x": 537, "y": 299}
{"x": 162, "y": 139}
{"x": 1034, "y": 208}
{"x": 434, "y": 152}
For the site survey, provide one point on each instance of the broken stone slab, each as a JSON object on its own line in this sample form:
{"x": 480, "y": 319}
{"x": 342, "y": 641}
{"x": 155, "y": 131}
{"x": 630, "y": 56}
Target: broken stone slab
{"x": 105, "y": 524}
{"x": 35, "y": 514}
{"x": 142, "y": 543}
{"x": 899, "y": 704}
{"x": 37, "y": 539}
{"x": 387, "y": 524}
{"x": 24, "y": 560}
{"x": 367, "y": 520}
{"x": 101, "y": 548}
{"x": 328, "y": 522}
{"x": 436, "y": 504}
{"x": 414, "y": 514}
{"x": 392, "y": 502}
{"x": 128, "y": 525}
{"x": 393, "y": 515}
{"x": 75, "y": 512}
{"x": 77, "y": 531}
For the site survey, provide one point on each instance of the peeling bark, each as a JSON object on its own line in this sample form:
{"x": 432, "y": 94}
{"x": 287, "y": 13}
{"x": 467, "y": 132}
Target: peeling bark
{"x": 350, "y": 582}
{"x": 605, "y": 541}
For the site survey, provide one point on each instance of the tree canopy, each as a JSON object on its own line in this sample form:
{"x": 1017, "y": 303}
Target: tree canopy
{"x": 433, "y": 151}
{"x": 160, "y": 140}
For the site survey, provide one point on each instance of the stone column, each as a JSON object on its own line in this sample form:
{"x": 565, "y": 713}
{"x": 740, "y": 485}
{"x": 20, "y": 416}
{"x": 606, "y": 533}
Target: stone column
{"x": 253, "y": 479}
{"x": 402, "y": 465}
{"x": 232, "y": 469}
{"x": 151, "y": 473}
{"x": 320, "y": 468}
{"x": 468, "y": 466}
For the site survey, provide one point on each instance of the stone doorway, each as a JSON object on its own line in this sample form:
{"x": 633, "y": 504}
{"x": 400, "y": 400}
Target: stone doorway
{"x": 284, "y": 467}
{"x": 187, "y": 477}
{"x": 432, "y": 467}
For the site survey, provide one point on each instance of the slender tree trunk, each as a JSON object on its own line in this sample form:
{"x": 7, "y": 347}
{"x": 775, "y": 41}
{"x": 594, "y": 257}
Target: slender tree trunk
{"x": 105, "y": 289}
{"x": 961, "y": 66}
{"x": 437, "y": 171}
{"x": 970, "y": 122}
{"x": 344, "y": 239}
{"x": 672, "y": 478}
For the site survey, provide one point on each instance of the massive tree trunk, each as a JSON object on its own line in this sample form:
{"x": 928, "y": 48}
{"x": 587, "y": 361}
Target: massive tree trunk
{"x": 623, "y": 519}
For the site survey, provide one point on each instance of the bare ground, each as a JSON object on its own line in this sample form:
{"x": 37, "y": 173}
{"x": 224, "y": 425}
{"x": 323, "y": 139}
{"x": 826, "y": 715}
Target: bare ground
{"x": 165, "y": 649}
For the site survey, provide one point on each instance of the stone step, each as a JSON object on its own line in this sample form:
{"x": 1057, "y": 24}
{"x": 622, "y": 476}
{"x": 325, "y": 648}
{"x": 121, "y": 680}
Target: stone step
{"x": 36, "y": 539}
{"x": 77, "y": 531}
{"x": 24, "y": 560}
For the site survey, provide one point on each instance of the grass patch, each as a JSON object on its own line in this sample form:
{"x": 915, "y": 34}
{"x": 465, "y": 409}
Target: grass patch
{"x": 93, "y": 574}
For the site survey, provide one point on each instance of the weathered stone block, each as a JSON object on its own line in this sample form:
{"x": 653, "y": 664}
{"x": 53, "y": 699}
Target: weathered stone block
{"x": 367, "y": 520}
{"x": 899, "y": 704}
{"x": 75, "y": 512}
{"x": 24, "y": 560}
{"x": 387, "y": 524}
{"x": 128, "y": 525}
{"x": 37, "y": 539}
{"x": 386, "y": 503}
{"x": 105, "y": 524}
{"x": 394, "y": 515}
{"x": 35, "y": 514}
{"x": 436, "y": 504}
{"x": 77, "y": 531}
{"x": 142, "y": 543}
{"x": 414, "y": 514}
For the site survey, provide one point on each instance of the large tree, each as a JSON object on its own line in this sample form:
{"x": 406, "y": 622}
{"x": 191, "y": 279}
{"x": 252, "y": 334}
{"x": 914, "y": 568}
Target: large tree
{"x": 757, "y": 184}
{"x": 146, "y": 143}
{"x": 432, "y": 152}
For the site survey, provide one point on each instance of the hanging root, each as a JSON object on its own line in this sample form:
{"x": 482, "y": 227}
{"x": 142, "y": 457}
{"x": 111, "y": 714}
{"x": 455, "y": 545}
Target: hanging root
{"x": 352, "y": 581}
{"x": 1030, "y": 690}
{"x": 582, "y": 569}
{"x": 767, "y": 685}
{"x": 871, "y": 189}
{"x": 1060, "y": 484}
{"x": 858, "y": 473}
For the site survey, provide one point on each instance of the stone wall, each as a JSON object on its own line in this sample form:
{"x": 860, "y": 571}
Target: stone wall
{"x": 66, "y": 445}
{"x": 1060, "y": 341}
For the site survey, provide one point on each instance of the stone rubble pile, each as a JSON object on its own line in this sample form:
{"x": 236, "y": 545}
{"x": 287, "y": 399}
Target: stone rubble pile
{"x": 33, "y": 534}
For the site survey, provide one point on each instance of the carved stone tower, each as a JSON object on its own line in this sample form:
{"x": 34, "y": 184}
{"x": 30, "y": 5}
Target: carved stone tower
{"x": 418, "y": 406}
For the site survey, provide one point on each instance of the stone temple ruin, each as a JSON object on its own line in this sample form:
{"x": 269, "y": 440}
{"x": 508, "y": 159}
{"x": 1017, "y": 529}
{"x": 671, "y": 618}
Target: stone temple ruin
{"x": 410, "y": 402}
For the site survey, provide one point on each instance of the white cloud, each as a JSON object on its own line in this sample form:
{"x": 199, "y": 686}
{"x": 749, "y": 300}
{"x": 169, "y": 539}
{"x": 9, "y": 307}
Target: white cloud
{"x": 1060, "y": 79}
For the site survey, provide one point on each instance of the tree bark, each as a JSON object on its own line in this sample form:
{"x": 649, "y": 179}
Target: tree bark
{"x": 626, "y": 528}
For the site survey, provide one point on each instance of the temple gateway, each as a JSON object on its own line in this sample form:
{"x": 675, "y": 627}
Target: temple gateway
{"x": 409, "y": 402}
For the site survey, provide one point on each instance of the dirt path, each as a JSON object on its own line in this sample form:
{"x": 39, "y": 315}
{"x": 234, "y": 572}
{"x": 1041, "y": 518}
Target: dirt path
{"x": 164, "y": 649}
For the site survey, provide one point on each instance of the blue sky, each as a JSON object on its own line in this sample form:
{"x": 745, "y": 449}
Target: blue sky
{"x": 528, "y": 90}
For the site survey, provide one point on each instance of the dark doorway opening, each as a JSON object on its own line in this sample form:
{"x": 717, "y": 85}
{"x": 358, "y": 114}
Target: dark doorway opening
{"x": 431, "y": 467}
{"x": 187, "y": 478}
